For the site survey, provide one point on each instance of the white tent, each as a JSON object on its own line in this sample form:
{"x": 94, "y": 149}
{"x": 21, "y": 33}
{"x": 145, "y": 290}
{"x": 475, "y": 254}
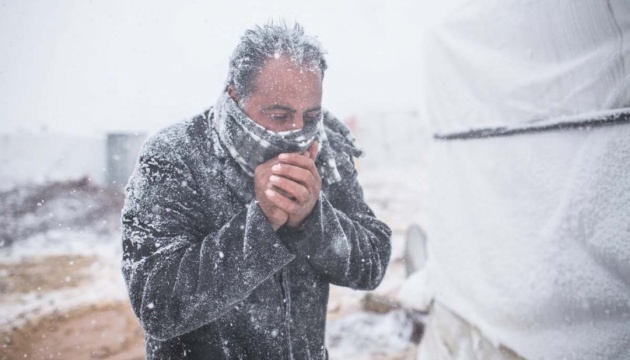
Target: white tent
{"x": 529, "y": 233}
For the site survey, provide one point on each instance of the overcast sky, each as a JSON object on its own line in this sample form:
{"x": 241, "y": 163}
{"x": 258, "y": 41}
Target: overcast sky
{"x": 87, "y": 67}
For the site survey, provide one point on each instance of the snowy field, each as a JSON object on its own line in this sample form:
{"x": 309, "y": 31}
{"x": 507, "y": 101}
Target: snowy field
{"x": 63, "y": 296}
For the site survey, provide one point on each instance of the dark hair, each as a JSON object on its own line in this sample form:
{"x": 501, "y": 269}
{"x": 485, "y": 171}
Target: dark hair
{"x": 268, "y": 41}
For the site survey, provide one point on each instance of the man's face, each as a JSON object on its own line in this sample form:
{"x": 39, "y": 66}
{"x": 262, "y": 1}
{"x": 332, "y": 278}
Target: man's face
{"x": 285, "y": 96}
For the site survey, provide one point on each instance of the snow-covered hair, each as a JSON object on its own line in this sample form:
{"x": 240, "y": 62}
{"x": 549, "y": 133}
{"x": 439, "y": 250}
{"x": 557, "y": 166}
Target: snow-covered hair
{"x": 271, "y": 41}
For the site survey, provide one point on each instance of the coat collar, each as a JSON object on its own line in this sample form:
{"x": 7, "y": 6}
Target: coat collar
{"x": 239, "y": 183}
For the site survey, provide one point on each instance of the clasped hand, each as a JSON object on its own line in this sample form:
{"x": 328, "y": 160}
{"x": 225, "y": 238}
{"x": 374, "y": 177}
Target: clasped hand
{"x": 287, "y": 187}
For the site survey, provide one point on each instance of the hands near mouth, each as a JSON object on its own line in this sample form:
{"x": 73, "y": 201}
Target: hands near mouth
{"x": 288, "y": 186}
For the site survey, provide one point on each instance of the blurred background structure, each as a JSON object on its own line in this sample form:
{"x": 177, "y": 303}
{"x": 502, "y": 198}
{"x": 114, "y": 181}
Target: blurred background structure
{"x": 36, "y": 158}
{"x": 121, "y": 154}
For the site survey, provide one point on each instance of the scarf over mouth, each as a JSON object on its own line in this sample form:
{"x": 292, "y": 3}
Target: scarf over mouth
{"x": 251, "y": 145}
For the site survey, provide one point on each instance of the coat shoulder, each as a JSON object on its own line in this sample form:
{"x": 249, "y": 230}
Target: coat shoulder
{"x": 184, "y": 140}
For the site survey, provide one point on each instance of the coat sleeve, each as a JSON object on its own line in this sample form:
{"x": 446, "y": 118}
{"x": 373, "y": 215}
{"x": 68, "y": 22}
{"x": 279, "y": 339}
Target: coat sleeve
{"x": 181, "y": 267}
{"x": 342, "y": 239}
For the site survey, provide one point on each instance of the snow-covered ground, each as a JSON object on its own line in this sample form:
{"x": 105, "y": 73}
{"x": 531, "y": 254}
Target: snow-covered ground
{"x": 58, "y": 225}
{"x": 61, "y": 251}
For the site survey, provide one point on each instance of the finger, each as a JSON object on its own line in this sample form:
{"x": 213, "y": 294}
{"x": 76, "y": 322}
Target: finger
{"x": 313, "y": 150}
{"x": 281, "y": 191}
{"x": 301, "y": 160}
{"x": 305, "y": 162}
{"x": 294, "y": 190}
{"x": 282, "y": 202}
{"x": 294, "y": 173}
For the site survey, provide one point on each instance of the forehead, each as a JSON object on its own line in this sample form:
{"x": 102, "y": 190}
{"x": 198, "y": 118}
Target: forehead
{"x": 281, "y": 77}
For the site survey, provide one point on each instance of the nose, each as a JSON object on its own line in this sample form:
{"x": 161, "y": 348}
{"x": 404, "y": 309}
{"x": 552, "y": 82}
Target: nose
{"x": 297, "y": 123}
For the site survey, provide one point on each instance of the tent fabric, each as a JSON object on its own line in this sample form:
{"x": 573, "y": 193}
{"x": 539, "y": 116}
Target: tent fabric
{"x": 529, "y": 239}
{"x": 492, "y": 63}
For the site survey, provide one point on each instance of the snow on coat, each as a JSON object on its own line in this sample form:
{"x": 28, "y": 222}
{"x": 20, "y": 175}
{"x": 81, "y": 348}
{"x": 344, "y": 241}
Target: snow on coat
{"x": 206, "y": 274}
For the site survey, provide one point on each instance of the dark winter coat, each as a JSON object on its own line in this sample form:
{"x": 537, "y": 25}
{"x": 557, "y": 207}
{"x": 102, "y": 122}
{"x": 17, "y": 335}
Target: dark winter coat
{"x": 207, "y": 275}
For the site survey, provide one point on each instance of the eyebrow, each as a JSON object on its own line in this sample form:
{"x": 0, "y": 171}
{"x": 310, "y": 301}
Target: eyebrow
{"x": 279, "y": 107}
{"x": 289, "y": 109}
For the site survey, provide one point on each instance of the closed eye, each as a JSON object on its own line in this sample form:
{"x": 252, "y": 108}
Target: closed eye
{"x": 313, "y": 116}
{"x": 279, "y": 117}
{"x": 279, "y": 113}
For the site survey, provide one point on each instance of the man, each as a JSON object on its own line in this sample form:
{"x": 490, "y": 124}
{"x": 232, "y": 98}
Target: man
{"x": 236, "y": 222}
